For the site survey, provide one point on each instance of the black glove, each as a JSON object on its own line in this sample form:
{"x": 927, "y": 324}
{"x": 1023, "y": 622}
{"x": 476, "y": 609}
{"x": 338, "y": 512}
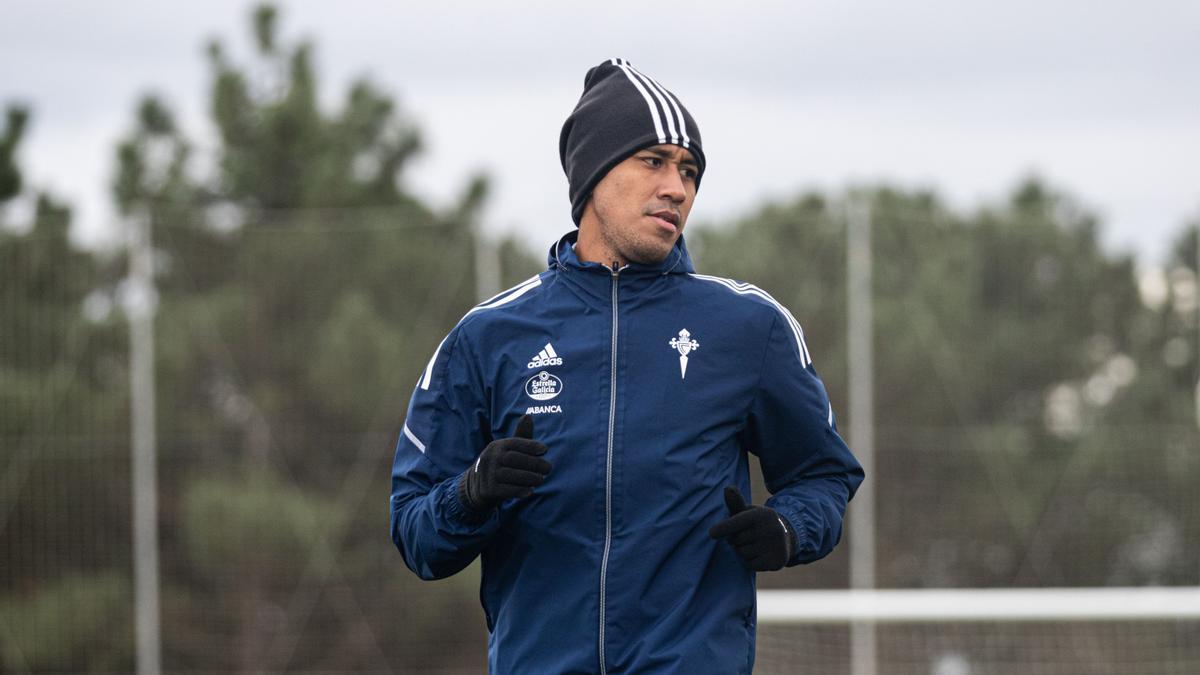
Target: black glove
{"x": 507, "y": 468}
{"x": 760, "y": 536}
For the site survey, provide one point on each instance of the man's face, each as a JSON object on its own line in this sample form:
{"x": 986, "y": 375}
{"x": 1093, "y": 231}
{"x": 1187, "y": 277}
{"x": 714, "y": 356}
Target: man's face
{"x": 642, "y": 204}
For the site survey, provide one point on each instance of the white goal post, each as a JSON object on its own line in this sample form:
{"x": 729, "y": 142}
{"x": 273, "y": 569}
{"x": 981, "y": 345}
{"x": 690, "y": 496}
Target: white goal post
{"x": 986, "y": 604}
{"x": 1030, "y": 631}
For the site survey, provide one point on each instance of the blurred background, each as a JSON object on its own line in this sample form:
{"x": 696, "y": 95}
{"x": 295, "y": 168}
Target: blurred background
{"x": 232, "y": 234}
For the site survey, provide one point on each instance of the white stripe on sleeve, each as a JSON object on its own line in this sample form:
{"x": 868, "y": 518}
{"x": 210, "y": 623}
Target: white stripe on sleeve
{"x": 751, "y": 289}
{"x": 429, "y": 366}
{"x": 496, "y": 301}
{"x": 413, "y": 437}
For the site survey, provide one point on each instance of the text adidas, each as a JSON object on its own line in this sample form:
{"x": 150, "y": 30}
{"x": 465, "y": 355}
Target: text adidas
{"x": 546, "y": 357}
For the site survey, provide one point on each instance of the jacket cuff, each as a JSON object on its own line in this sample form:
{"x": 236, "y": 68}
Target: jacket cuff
{"x": 799, "y": 539}
{"x": 457, "y": 504}
{"x": 789, "y": 535}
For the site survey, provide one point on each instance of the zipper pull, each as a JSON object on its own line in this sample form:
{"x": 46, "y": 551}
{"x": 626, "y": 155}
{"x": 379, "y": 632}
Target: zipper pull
{"x": 616, "y": 268}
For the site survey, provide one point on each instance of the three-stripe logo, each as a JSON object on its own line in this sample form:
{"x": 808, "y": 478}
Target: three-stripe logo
{"x": 546, "y": 357}
{"x": 667, "y": 108}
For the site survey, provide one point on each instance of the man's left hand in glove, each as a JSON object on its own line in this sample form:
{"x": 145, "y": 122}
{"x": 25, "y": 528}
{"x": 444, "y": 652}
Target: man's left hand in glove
{"x": 761, "y": 537}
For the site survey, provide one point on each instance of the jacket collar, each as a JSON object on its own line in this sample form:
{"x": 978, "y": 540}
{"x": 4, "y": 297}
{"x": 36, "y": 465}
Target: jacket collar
{"x": 562, "y": 255}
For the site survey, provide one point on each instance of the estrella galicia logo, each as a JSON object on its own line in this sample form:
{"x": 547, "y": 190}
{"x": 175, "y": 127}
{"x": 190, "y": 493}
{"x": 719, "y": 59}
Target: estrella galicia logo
{"x": 543, "y": 386}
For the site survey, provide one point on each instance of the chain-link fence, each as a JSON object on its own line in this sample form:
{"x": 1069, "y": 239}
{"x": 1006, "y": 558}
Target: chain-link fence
{"x": 1033, "y": 429}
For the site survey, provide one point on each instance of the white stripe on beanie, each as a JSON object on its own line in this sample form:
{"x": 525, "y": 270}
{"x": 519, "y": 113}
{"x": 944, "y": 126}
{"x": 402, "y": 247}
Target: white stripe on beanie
{"x": 658, "y": 127}
{"x": 657, "y": 91}
{"x": 665, "y": 98}
{"x": 674, "y": 104}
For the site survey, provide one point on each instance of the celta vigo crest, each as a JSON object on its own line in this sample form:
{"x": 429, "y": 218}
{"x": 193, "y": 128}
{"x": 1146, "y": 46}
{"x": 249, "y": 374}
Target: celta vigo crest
{"x": 683, "y": 344}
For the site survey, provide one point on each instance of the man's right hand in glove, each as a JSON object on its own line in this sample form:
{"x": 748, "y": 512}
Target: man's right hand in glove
{"x": 507, "y": 468}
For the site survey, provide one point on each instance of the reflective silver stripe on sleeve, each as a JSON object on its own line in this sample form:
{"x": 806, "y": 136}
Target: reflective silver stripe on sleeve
{"x": 413, "y": 437}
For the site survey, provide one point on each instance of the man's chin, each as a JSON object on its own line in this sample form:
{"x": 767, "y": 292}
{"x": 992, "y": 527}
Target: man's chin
{"x": 650, "y": 256}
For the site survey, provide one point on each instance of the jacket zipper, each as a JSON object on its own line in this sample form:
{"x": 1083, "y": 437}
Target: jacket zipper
{"x": 612, "y": 419}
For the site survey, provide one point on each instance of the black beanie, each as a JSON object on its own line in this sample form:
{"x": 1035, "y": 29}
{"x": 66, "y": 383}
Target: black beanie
{"x": 620, "y": 112}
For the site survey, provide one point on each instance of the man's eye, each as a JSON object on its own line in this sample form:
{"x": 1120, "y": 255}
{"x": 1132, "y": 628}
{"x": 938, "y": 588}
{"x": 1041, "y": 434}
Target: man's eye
{"x": 688, "y": 172}
{"x": 653, "y": 161}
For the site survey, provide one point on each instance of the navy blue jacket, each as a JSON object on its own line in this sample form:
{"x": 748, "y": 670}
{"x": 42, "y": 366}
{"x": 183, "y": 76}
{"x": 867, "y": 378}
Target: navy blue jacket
{"x": 649, "y": 385}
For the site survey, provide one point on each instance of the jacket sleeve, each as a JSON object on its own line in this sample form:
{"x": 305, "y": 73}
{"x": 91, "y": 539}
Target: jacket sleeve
{"x": 809, "y": 471}
{"x": 444, "y": 431}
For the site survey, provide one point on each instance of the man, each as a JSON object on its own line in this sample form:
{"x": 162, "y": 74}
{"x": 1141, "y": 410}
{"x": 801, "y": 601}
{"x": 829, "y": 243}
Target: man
{"x": 586, "y": 432}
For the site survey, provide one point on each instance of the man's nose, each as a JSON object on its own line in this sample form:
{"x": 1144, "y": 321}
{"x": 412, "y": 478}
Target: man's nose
{"x": 671, "y": 187}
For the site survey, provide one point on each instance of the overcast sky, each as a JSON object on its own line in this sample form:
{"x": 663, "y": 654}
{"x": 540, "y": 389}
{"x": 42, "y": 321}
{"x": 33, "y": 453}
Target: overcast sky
{"x": 1100, "y": 98}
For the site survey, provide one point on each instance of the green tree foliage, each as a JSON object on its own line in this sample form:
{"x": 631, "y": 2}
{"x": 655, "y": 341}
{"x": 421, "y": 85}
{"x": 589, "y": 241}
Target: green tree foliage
{"x": 16, "y": 118}
{"x": 1010, "y": 349}
{"x": 241, "y": 536}
{"x": 76, "y": 623}
{"x": 62, "y": 402}
{"x": 302, "y": 287}
{"x": 1035, "y": 416}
